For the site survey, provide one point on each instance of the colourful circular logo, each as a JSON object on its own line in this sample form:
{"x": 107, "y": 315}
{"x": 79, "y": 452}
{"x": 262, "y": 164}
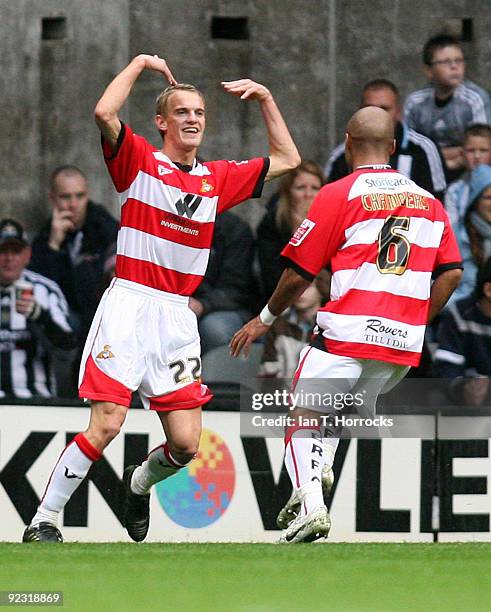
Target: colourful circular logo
{"x": 200, "y": 493}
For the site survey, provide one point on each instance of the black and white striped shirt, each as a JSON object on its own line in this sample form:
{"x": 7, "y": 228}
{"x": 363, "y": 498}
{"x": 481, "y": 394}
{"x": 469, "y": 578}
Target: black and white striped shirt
{"x": 416, "y": 156}
{"x": 26, "y": 345}
{"x": 464, "y": 341}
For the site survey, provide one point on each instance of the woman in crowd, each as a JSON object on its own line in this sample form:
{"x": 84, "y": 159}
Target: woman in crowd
{"x": 296, "y": 193}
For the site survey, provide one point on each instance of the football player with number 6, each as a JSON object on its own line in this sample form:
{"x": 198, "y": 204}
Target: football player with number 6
{"x": 394, "y": 262}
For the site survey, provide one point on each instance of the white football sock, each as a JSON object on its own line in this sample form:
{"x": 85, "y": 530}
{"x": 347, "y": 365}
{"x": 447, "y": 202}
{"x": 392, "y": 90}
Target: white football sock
{"x": 304, "y": 460}
{"x": 159, "y": 465}
{"x": 330, "y": 447}
{"x": 45, "y": 516}
{"x": 68, "y": 473}
{"x": 331, "y": 439}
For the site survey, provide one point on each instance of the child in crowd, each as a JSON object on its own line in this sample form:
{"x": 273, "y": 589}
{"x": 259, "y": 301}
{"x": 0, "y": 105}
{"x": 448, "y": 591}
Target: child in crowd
{"x": 450, "y": 103}
{"x": 477, "y": 150}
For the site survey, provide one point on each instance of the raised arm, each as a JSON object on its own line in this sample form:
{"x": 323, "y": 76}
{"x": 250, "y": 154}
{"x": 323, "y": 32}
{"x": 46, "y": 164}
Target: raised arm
{"x": 116, "y": 93}
{"x": 283, "y": 154}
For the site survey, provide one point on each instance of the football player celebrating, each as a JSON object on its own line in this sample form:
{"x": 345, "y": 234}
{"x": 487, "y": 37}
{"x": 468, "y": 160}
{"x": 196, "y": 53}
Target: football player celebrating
{"x": 385, "y": 239}
{"x": 144, "y": 336}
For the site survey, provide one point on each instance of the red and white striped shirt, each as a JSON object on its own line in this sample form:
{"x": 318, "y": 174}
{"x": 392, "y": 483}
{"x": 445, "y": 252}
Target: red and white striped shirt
{"x": 384, "y": 237}
{"x": 168, "y": 214}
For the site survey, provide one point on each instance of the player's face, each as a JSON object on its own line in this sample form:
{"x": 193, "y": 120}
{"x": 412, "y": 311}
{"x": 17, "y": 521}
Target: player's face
{"x": 71, "y": 196}
{"x": 447, "y": 67}
{"x": 14, "y": 257}
{"x": 484, "y": 205}
{"x": 383, "y": 98}
{"x": 184, "y": 124}
{"x": 477, "y": 150}
{"x": 304, "y": 188}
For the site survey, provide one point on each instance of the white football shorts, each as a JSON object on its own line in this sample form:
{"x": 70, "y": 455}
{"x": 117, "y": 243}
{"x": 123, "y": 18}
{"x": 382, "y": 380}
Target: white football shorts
{"x": 324, "y": 382}
{"x": 146, "y": 340}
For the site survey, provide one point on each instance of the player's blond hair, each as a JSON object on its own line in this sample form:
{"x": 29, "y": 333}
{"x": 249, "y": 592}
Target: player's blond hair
{"x": 163, "y": 98}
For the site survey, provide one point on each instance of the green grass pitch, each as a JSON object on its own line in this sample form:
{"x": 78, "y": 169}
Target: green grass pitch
{"x": 253, "y": 577}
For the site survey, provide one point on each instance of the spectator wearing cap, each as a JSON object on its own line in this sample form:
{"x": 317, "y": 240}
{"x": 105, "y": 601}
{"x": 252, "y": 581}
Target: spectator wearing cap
{"x": 70, "y": 248}
{"x": 33, "y": 320}
{"x": 473, "y": 233}
{"x": 464, "y": 344}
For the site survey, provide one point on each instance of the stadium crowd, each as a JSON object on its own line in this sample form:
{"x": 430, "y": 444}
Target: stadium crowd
{"x": 443, "y": 142}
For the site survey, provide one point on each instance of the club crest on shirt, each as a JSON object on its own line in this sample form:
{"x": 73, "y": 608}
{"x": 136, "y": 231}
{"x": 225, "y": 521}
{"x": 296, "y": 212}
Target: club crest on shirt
{"x": 205, "y": 186}
{"x": 302, "y": 231}
{"x": 105, "y": 353}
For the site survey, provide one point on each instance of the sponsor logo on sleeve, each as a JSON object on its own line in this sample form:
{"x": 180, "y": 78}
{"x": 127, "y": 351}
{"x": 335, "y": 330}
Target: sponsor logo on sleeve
{"x": 302, "y": 231}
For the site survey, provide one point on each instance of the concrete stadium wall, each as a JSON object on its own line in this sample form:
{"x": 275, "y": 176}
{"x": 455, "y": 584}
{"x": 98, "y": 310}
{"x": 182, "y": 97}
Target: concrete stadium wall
{"x": 49, "y": 89}
{"x": 313, "y": 54}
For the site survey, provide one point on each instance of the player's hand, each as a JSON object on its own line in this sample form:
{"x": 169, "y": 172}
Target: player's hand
{"x": 476, "y": 390}
{"x": 246, "y": 89}
{"x": 242, "y": 339}
{"x": 154, "y": 62}
{"x": 61, "y": 225}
